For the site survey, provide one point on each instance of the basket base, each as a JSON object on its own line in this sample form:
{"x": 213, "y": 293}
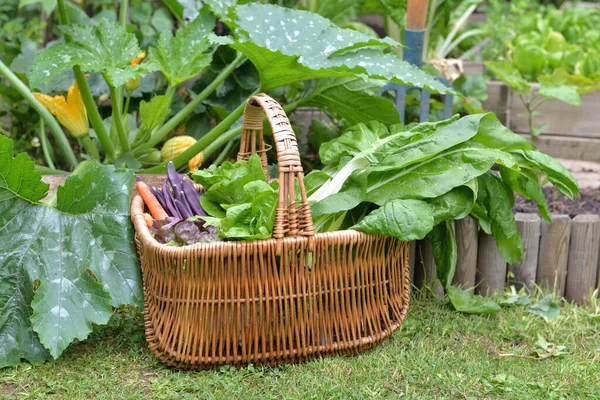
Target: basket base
{"x": 248, "y": 303}
{"x": 172, "y": 359}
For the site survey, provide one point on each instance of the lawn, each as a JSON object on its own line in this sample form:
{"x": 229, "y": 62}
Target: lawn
{"x": 438, "y": 353}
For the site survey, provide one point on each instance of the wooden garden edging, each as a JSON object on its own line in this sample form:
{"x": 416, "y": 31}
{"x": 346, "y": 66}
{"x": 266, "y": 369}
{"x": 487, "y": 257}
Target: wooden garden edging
{"x": 562, "y": 256}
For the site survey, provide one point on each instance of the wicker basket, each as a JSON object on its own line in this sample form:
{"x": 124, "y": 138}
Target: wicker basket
{"x": 294, "y": 297}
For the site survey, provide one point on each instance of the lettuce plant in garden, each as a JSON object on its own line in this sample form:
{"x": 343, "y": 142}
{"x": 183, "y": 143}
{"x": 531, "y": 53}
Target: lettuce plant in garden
{"x": 557, "y": 49}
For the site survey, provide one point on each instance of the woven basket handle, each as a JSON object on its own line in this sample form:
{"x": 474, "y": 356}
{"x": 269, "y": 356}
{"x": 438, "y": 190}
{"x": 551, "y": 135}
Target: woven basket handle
{"x": 291, "y": 219}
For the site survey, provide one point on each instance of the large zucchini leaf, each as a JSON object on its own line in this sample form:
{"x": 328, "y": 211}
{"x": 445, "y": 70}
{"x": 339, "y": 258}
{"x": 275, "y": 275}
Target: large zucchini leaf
{"x": 61, "y": 269}
{"x": 288, "y": 46}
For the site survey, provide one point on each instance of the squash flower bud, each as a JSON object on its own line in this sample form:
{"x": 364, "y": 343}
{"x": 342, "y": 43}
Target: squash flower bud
{"x": 177, "y": 145}
{"x": 133, "y": 84}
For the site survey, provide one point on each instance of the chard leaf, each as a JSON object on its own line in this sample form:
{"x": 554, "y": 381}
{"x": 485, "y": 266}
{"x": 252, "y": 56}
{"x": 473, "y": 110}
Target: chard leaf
{"x": 491, "y": 133}
{"x": 465, "y": 302}
{"x": 288, "y": 46}
{"x": 405, "y": 220}
{"x": 434, "y": 176}
{"x": 391, "y": 165}
{"x": 509, "y": 75}
{"x": 342, "y": 201}
{"x": 80, "y": 252}
{"x": 353, "y": 99}
{"x": 184, "y": 56}
{"x": 314, "y": 180}
{"x": 352, "y": 142}
{"x": 106, "y": 48}
{"x": 526, "y": 183}
{"x": 455, "y": 204}
{"x": 557, "y": 173}
{"x": 395, "y": 154}
{"x": 443, "y": 243}
{"x": 496, "y": 199}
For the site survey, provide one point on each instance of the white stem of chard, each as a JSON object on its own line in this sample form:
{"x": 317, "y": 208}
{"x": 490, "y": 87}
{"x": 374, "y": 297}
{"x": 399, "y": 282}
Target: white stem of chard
{"x": 335, "y": 183}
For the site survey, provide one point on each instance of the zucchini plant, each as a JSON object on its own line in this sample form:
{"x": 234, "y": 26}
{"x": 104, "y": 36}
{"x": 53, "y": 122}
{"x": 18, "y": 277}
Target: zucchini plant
{"x": 285, "y": 47}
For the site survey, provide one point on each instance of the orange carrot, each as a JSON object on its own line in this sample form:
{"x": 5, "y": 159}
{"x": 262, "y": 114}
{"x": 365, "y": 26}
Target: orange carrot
{"x": 153, "y": 205}
{"x": 148, "y": 218}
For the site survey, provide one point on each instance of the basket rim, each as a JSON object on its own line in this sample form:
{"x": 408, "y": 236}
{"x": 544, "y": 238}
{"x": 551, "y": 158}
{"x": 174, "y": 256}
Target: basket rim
{"x": 144, "y": 235}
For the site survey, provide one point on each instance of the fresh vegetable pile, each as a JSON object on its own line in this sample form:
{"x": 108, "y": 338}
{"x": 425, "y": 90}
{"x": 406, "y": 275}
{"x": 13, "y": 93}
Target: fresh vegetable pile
{"x": 175, "y": 214}
{"x": 237, "y": 203}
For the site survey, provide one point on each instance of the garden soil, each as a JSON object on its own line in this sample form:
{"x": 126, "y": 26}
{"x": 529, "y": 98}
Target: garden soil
{"x": 588, "y": 202}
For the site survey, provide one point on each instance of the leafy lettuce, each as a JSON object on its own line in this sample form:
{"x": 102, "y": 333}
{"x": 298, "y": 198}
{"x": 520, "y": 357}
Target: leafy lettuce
{"x": 239, "y": 201}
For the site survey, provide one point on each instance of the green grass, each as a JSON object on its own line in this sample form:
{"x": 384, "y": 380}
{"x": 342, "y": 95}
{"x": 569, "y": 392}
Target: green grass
{"x": 438, "y": 353}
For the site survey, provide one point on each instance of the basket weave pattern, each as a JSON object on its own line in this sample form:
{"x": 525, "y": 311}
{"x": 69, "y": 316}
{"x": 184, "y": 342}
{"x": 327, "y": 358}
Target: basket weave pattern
{"x": 294, "y": 297}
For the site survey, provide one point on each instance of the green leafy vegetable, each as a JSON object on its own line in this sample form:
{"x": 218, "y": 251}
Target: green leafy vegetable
{"x": 403, "y": 219}
{"x": 557, "y": 173}
{"x": 443, "y": 241}
{"x": 496, "y": 200}
{"x": 424, "y": 178}
{"x": 425, "y": 162}
{"x": 81, "y": 253}
{"x": 525, "y": 182}
{"x": 240, "y": 202}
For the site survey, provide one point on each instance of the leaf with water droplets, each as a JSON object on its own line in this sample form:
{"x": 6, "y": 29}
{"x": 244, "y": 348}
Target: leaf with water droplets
{"x": 106, "y": 48}
{"x": 61, "y": 269}
{"x": 184, "y": 55}
{"x": 289, "y": 45}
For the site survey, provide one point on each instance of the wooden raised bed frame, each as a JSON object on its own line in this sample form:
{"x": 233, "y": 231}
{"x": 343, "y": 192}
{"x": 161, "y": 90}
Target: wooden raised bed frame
{"x": 562, "y": 256}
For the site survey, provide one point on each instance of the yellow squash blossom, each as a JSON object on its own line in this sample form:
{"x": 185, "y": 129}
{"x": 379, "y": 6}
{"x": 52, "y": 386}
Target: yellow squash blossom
{"x": 70, "y": 112}
{"x": 132, "y": 84}
{"x": 177, "y": 145}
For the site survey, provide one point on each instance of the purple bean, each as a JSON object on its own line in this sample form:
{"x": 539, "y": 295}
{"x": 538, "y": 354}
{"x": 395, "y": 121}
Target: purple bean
{"x": 193, "y": 198}
{"x": 171, "y": 208}
{"x": 175, "y": 179}
{"x": 183, "y": 209}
